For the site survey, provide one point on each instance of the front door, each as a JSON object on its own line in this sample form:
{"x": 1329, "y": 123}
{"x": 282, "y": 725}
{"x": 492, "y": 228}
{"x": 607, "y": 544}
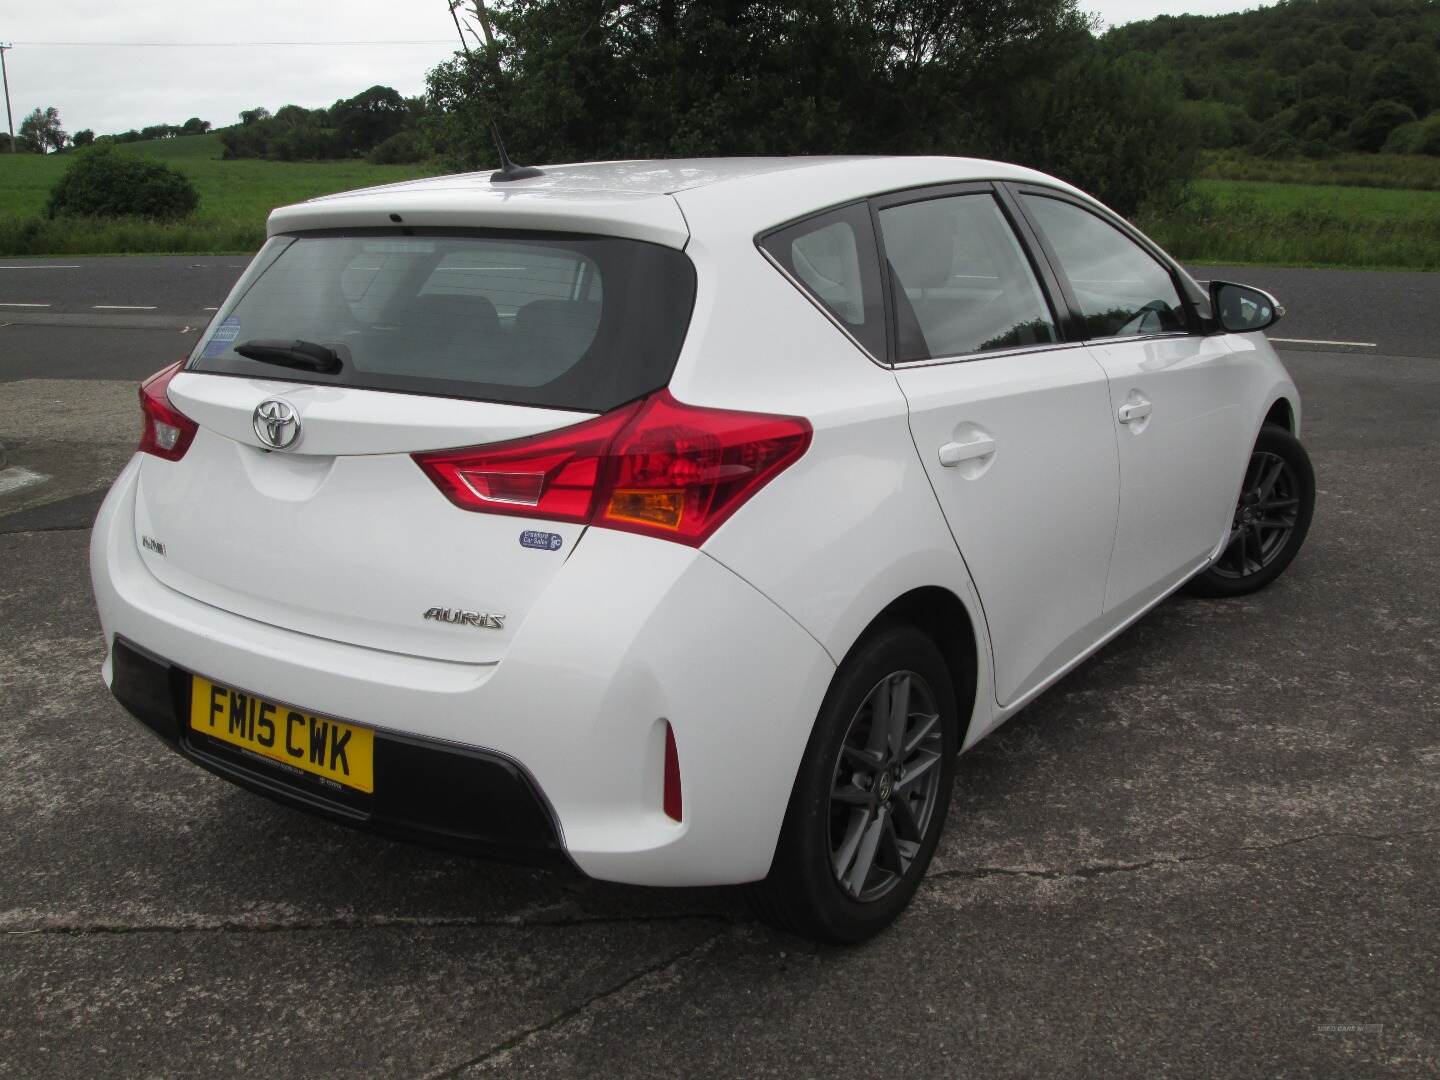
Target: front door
{"x": 1175, "y": 401}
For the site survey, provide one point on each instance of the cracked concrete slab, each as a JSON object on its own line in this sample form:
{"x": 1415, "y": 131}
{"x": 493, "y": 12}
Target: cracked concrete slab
{"x": 1239, "y": 966}
{"x": 1210, "y": 851}
{"x": 378, "y": 1002}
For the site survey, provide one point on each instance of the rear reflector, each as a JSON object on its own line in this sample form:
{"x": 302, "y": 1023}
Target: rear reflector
{"x": 655, "y": 466}
{"x": 672, "y": 801}
{"x": 168, "y": 432}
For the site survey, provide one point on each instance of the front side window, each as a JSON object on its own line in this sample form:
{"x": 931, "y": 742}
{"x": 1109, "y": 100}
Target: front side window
{"x": 960, "y": 280}
{"x": 1122, "y": 291}
{"x": 833, "y": 258}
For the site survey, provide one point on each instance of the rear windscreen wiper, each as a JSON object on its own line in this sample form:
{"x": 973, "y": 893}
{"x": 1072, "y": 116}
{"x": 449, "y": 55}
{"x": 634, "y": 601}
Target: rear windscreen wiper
{"x": 305, "y": 355}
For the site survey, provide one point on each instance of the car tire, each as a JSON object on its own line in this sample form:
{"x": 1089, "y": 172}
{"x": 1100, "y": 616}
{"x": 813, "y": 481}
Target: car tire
{"x": 858, "y": 795}
{"x": 1272, "y": 517}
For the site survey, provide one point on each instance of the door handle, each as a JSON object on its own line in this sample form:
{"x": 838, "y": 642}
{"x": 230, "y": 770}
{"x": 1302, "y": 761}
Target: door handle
{"x": 953, "y": 453}
{"x": 1135, "y": 410}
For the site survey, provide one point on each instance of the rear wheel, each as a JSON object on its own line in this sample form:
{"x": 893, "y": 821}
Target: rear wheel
{"x": 871, "y": 796}
{"x": 1272, "y": 516}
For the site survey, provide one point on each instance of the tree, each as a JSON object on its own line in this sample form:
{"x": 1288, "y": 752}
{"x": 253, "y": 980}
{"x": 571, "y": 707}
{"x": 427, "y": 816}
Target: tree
{"x": 578, "y": 79}
{"x": 42, "y": 129}
{"x": 195, "y": 126}
{"x": 1375, "y": 124}
{"x": 1323, "y": 79}
{"x": 250, "y": 116}
{"x": 569, "y": 79}
{"x": 370, "y": 117}
{"x": 82, "y": 138}
{"x": 1391, "y": 82}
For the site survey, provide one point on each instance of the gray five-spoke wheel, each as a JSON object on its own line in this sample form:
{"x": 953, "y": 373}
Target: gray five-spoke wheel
{"x": 1264, "y": 518}
{"x": 883, "y": 794}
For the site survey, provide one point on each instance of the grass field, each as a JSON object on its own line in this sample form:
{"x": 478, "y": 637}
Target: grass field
{"x": 1378, "y": 211}
{"x": 1243, "y": 221}
{"x": 1407, "y": 171}
{"x": 184, "y": 148}
{"x": 235, "y": 198}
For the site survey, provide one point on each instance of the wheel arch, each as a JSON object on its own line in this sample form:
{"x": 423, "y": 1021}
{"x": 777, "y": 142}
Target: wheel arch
{"x": 1282, "y": 414}
{"x": 943, "y": 617}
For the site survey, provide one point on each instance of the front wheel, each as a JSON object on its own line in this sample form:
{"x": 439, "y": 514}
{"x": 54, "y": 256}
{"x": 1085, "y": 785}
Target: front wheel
{"x": 871, "y": 796}
{"x": 1272, "y": 516}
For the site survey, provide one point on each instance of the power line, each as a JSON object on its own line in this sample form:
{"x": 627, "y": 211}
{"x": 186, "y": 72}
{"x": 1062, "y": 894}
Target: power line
{"x": 224, "y": 44}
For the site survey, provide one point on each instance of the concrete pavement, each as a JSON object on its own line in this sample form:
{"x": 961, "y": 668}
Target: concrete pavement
{"x": 1210, "y": 851}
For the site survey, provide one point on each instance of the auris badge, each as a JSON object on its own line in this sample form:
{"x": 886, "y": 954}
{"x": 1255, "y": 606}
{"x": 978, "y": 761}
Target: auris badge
{"x": 277, "y": 424}
{"x": 479, "y": 619}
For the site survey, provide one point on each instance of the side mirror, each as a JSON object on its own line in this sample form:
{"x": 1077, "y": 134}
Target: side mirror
{"x": 1240, "y": 309}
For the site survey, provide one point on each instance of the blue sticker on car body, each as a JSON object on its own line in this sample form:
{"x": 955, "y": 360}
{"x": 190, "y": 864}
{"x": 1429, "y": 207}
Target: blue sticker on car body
{"x": 543, "y": 541}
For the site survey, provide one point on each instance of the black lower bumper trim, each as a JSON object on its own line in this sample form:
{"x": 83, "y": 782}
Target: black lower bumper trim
{"x": 425, "y": 791}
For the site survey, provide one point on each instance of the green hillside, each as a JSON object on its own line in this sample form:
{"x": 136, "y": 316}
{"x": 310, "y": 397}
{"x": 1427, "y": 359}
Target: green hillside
{"x": 1309, "y": 77}
{"x": 181, "y": 148}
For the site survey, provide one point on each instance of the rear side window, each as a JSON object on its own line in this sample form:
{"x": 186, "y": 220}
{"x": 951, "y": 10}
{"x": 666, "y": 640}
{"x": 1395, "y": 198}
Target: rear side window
{"x": 960, "y": 280}
{"x": 573, "y": 322}
{"x": 833, "y": 258}
{"x": 1122, "y": 291}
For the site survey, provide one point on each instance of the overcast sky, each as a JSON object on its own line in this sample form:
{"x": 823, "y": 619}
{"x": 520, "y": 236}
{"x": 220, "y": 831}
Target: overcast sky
{"x": 109, "y": 87}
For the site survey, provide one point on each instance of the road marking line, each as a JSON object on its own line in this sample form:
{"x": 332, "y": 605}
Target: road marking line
{"x": 76, "y": 267}
{"x": 10, "y": 303}
{"x": 1312, "y": 341}
{"x": 15, "y": 478}
{"x": 124, "y": 307}
{"x": 210, "y": 309}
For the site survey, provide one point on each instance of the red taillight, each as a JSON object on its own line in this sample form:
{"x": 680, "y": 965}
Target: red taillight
{"x": 167, "y": 432}
{"x": 656, "y": 467}
{"x": 671, "y": 799}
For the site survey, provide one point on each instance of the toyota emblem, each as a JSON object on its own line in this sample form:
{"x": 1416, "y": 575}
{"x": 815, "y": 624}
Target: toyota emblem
{"x": 277, "y": 424}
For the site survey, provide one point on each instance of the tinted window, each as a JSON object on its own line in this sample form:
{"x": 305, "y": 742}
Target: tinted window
{"x": 962, "y": 283}
{"x": 583, "y": 323}
{"x": 1121, "y": 289}
{"x": 833, "y": 258}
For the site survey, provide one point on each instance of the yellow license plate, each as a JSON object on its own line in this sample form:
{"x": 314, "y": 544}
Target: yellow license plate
{"x": 317, "y": 745}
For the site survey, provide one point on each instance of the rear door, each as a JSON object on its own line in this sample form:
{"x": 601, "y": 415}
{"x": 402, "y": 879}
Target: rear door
{"x": 1175, "y": 397}
{"x": 446, "y": 339}
{"x": 1012, "y": 424}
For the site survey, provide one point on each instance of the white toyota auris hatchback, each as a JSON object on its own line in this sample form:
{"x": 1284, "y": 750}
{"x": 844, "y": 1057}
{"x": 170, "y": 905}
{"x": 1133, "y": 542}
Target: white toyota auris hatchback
{"x": 681, "y": 520}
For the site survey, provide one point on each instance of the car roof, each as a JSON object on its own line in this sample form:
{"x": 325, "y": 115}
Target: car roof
{"x": 642, "y": 199}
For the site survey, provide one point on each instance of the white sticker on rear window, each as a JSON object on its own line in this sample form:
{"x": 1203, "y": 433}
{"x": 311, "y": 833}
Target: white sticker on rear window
{"x": 223, "y": 337}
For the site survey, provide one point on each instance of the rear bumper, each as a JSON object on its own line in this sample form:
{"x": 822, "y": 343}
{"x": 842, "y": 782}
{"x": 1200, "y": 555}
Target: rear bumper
{"x": 430, "y": 793}
{"x": 631, "y": 633}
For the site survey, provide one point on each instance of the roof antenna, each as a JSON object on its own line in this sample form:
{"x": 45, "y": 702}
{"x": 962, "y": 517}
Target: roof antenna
{"x": 508, "y": 169}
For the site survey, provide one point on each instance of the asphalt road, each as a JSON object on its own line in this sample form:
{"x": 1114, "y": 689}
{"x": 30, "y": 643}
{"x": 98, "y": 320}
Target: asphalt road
{"x": 153, "y": 307}
{"x": 1210, "y": 851}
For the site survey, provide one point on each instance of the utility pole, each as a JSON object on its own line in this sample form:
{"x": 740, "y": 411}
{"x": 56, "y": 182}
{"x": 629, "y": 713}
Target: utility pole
{"x": 5, "y": 78}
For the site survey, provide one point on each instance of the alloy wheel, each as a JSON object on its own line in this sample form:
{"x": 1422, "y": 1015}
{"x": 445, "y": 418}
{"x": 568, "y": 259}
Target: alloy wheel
{"x": 883, "y": 792}
{"x": 1265, "y": 516}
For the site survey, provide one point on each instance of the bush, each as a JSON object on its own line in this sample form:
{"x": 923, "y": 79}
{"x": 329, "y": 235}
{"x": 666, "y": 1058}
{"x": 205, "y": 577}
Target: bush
{"x": 106, "y": 182}
{"x": 1416, "y": 137}
{"x": 1375, "y": 124}
{"x": 402, "y": 148}
{"x": 1217, "y": 125}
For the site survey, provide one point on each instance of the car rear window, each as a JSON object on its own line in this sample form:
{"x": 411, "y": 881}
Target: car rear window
{"x": 547, "y": 319}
